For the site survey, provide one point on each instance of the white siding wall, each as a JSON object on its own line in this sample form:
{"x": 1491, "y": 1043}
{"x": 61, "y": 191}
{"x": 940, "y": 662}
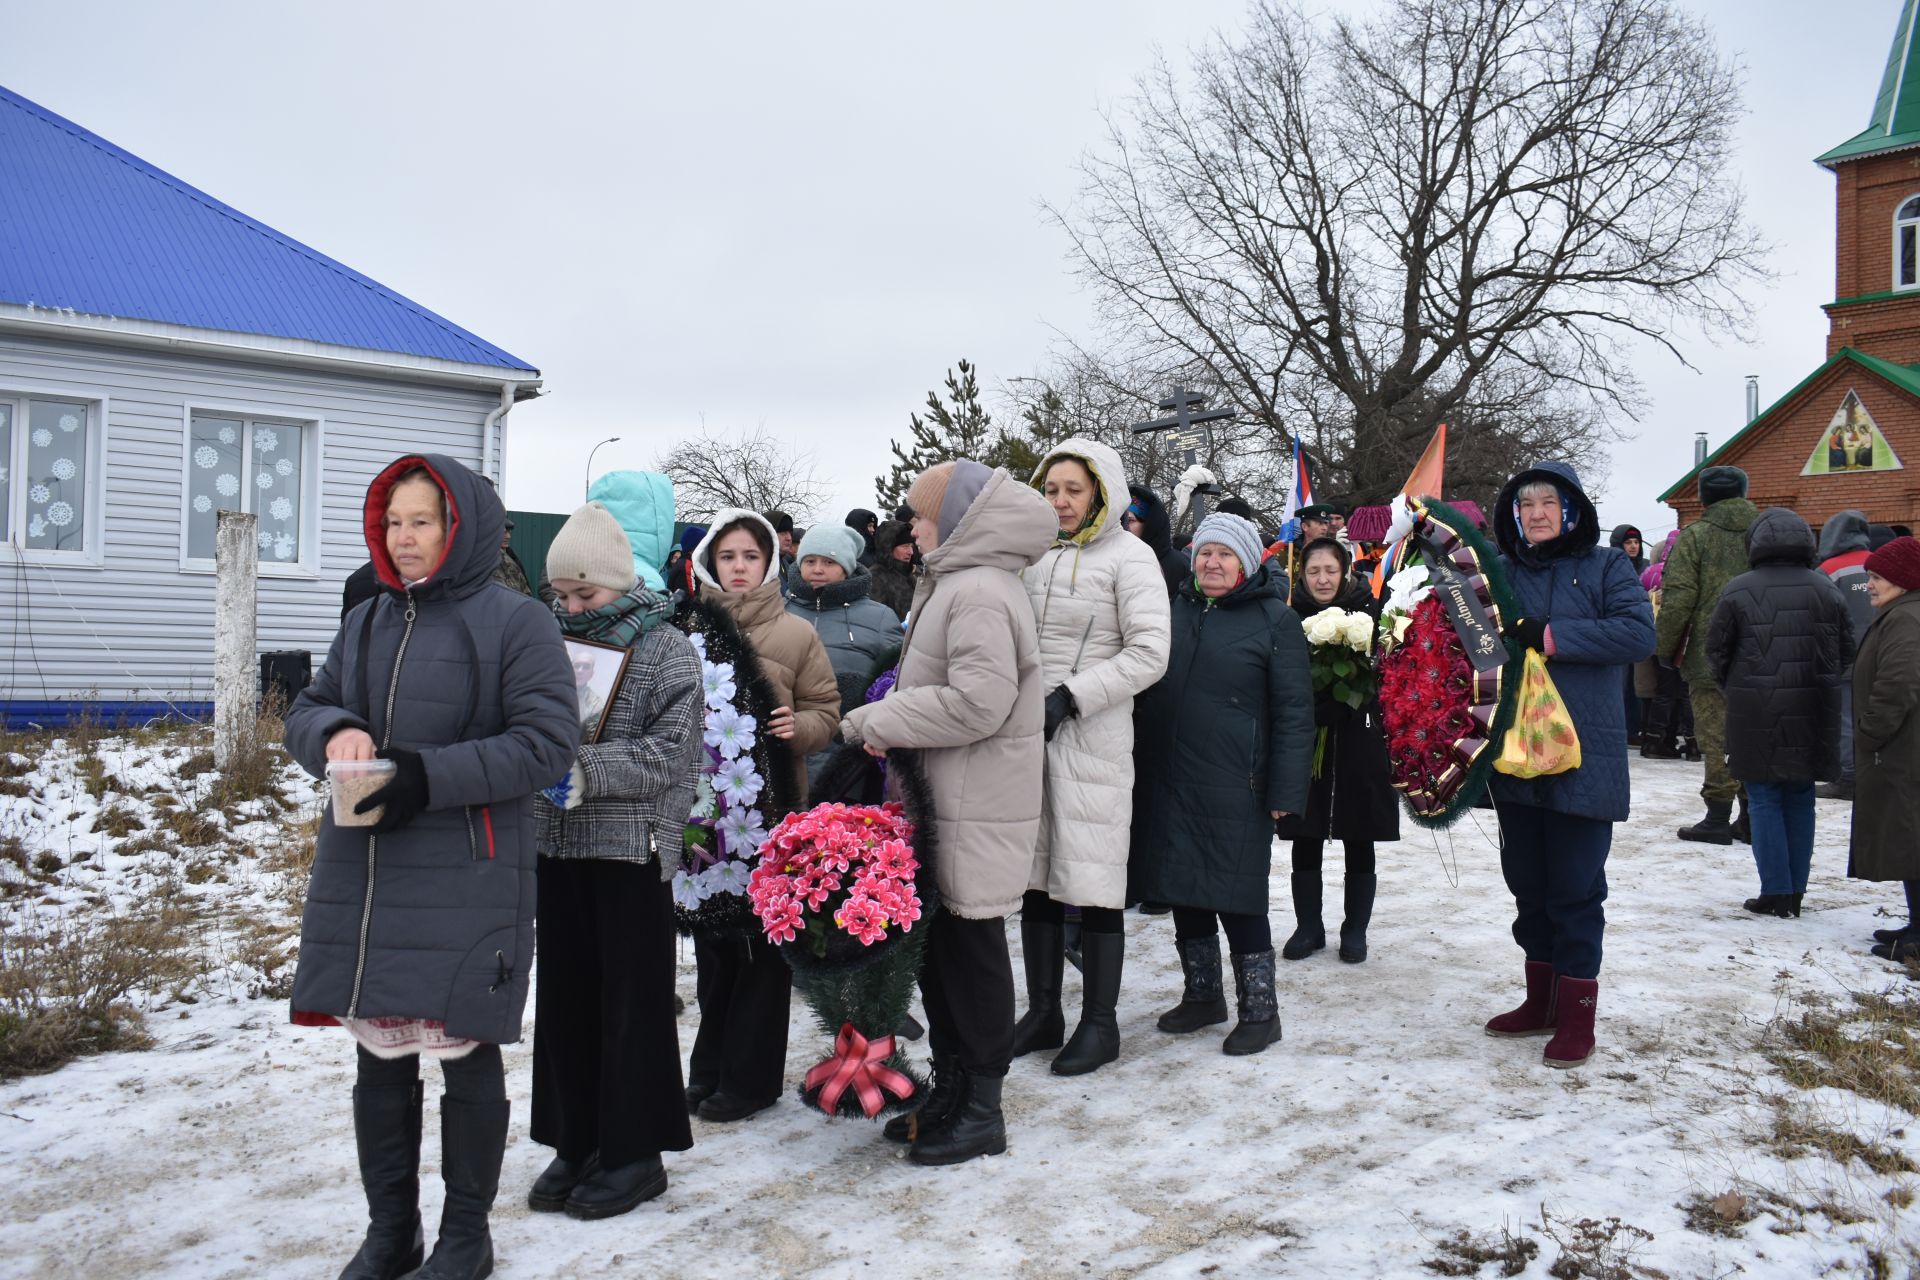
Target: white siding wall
{"x": 139, "y": 627}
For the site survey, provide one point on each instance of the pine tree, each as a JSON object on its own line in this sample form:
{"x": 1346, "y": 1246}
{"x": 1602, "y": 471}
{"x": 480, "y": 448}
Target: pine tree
{"x": 964, "y": 430}
{"x": 1044, "y": 423}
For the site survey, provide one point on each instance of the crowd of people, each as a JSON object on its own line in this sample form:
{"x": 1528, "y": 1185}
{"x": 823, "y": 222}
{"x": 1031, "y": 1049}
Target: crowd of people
{"x": 1104, "y": 719}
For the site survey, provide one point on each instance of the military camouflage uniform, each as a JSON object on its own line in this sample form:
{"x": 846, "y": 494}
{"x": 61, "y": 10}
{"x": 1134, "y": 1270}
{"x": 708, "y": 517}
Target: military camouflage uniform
{"x": 1710, "y": 552}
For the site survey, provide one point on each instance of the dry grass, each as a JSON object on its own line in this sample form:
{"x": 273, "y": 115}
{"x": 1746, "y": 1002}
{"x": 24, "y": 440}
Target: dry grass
{"x": 1597, "y": 1249}
{"x": 1797, "y": 1134}
{"x": 1868, "y": 1044}
{"x": 1464, "y": 1254}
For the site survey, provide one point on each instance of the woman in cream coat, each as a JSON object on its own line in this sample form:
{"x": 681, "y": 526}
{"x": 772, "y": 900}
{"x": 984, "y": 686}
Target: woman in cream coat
{"x": 1100, "y": 603}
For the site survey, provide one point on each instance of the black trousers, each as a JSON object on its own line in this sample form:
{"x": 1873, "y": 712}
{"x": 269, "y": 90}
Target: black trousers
{"x": 966, "y": 983}
{"x": 475, "y": 1076}
{"x": 1307, "y": 856}
{"x": 1245, "y": 934}
{"x": 744, "y": 990}
{"x": 606, "y": 1048}
{"x": 1039, "y": 908}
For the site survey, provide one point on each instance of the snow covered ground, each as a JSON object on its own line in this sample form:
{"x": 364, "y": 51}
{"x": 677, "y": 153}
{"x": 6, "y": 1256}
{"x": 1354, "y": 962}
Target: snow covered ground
{"x": 1383, "y": 1125}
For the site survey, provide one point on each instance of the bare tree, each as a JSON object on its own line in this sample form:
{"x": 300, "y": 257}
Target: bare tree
{"x": 748, "y": 469}
{"x": 1469, "y": 211}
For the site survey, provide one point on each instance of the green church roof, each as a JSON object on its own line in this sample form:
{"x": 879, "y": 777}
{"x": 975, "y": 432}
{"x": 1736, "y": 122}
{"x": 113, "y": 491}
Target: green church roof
{"x": 1896, "y": 110}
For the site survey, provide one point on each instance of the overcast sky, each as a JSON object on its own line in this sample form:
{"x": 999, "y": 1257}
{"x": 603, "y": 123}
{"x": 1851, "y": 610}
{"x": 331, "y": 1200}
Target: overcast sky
{"x": 791, "y": 215}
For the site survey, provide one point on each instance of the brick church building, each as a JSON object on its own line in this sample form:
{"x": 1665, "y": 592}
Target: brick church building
{"x": 1848, "y": 436}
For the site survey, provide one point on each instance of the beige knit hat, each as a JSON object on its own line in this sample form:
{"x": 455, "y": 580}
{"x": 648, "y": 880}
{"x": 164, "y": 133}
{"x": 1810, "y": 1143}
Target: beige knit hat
{"x": 591, "y": 547}
{"x": 929, "y": 490}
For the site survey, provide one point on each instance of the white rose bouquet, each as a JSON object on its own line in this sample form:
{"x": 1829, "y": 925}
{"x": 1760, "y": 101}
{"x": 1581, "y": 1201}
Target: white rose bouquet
{"x": 1340, "y": 661}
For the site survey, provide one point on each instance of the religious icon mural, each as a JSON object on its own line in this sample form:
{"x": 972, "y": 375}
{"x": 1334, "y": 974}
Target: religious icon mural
{"x": 1851, "y": 442}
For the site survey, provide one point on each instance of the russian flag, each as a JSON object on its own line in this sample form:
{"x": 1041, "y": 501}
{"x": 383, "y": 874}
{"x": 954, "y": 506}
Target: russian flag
{"x": 1299, "y": 495}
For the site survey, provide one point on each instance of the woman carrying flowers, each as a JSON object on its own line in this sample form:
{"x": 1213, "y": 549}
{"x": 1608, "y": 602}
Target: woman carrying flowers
{"x": 1351, "y": 798}
{"x": 607, "y": 1090}
{"x": 740, "y": 1053}
{"x": 1228, "y": 740}
{"x": 1582, "y": 607}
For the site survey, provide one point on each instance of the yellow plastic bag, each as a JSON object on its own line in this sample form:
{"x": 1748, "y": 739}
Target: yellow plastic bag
{"x": 1542, "y": 740}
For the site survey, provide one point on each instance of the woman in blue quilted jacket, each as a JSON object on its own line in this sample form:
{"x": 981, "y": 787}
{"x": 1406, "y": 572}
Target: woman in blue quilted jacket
{"x": 1581, "y": 606}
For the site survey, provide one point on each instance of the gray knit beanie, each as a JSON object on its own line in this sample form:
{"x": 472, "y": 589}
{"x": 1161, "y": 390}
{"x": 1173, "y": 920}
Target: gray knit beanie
{"x": 591, "y": 547}
{"x": 1236, "y": 535}
{"x": 836, "y": 542}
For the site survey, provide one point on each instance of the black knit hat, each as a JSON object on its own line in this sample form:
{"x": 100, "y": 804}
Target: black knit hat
{"x": 1720, "y": 483}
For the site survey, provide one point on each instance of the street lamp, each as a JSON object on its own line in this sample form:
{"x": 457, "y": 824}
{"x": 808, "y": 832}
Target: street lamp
{"x": 590, "y": 453}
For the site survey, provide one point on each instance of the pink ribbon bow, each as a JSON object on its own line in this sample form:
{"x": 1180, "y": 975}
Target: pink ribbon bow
{"x": 858, "y": 1064}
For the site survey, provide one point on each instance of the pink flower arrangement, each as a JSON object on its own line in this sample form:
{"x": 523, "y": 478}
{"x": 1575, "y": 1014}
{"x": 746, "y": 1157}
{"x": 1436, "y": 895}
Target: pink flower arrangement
{"x": 838, "y": 866}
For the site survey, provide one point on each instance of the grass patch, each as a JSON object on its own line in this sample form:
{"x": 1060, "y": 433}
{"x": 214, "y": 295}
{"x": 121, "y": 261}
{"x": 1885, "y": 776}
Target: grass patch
{"x": 192, "y": 827}
{"x": 1868, "y": 1045}
{"x": 1721, "y": 1215}
{"x": 118, "y": 821}
{"x": 196, "y": 764}
{"x": 1464, "y": 1254}
{"x": 1796, "y": 1134}
{"x": 64, "y": 993}
{"x": 1597, "y": 1249}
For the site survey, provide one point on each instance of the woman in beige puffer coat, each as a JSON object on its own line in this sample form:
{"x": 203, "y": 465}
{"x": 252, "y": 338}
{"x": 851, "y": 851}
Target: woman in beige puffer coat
{"x": 969, "y": 700}
{"x": 1100, "y": 604}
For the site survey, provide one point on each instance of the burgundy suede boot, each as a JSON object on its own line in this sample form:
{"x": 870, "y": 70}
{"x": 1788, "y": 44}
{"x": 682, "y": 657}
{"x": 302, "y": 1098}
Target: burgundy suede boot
{"x": 1572, "y": 1043}
{"x": 1534, "y": 1017}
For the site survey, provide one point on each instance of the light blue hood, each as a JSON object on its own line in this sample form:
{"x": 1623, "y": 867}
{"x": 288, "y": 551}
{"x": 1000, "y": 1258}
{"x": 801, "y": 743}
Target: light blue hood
{"x": 642, "y": 501}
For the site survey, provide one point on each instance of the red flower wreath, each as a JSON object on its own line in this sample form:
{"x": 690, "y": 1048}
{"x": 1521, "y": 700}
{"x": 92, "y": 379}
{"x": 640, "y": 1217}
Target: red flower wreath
{"x": 1424, "y": 694}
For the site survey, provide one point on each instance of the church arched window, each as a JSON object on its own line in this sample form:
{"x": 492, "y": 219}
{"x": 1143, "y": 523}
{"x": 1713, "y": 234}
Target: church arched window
{"x": 1906, "y": 245}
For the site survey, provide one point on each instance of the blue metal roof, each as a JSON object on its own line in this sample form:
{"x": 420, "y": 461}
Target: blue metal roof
{"x": 89, "y": 227}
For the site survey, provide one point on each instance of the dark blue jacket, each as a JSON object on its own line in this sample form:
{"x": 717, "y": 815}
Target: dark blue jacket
{"x": 1601, "y": 621}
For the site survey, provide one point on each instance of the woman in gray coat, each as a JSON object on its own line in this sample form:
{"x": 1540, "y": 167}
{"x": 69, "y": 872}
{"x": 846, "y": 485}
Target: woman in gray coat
{"x": 418, "y": 929}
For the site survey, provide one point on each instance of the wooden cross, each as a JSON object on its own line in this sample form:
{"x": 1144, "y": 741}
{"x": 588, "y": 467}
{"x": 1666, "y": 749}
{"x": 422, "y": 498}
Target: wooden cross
{"x": 1188, "y": 432}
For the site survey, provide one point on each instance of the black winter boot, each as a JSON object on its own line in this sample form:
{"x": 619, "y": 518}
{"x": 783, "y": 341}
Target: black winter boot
{"x": 1259, "y": 1024}
{"x": 935, "y": 1103}
{"x": 1096, "y": 1041}
{"x": 1042, "y": 1026}
{"x": 386, "y": 1130}
{"x": 1353, "y": 930}
{"x": 1742, "y": 826}
{"x": 1715, "y": 828}
{"x": 1309, "y": 933}
{"x": 1204, "y": 1002}
{"x": 473, "y": 1139}
{"x": 974, "y": 1127}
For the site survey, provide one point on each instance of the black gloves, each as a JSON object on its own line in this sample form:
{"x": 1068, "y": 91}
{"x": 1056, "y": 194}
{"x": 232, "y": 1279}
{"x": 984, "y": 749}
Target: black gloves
{"x": 1059, "y": 707}
{"x": 404, "y": 797}
{"x": 1531, "y": 632}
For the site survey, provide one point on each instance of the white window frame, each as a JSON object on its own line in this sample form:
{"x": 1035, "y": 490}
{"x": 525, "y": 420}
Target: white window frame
{"x": 1901, "y": 226}
{"x": 313, "y": 431}
{"x": 94, "y": 527}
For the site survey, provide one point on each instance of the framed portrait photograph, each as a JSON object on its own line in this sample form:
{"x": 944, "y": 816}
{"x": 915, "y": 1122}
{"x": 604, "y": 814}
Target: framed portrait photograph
{"x": 597, "y": 669}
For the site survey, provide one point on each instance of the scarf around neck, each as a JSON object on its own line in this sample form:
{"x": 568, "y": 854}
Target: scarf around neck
{"x": 623, "y": 622}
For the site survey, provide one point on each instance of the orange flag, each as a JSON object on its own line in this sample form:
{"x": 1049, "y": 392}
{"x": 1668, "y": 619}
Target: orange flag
{"x": 1425, "y": 480}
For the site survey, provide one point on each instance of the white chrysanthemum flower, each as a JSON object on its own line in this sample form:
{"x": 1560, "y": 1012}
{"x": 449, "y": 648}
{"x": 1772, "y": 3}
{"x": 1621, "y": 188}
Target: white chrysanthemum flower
{"x": 39, "y": 493}
{"x": 738, "y": 780}
{"x": 281, "y": 509}
{"x": 741, "y": 830}
{"x": 202, "y": 503}
{"x": 729, "y": 732}
{"x": 69, "y": 422}
{"x": 284, "y": 466}
{"x": 62, "y": 468}
{"x": 228, "y": 484}
{"x": 264, "y": 480}
{"x": 206, "y": 457}
{"x": 265, "y": 440}
{"x": 716, "y": 678}
{"x": 283, "y": 546}
{"x": 42, "y": 437}
{"x": 60, "y": 515}
{"x": 729, "y": 877}
{"x": 228, "y": 435}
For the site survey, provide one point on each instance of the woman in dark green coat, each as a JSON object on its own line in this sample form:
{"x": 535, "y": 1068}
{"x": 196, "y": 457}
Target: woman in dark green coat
{"x": 1885, "y": 843}
{"x": 1227, "y": 746}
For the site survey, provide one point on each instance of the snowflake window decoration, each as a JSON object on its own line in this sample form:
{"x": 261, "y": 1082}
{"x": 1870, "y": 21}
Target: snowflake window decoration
{"x": 37, "y": 527}
{"x": 39, "y": 493}
{"x": 283, "y": 546}
{"x": 281, "y": 509}
{"x": 69, "y": 422}
{"x": 265, "y": 440}
{"x": 265, "y": 539}
{"x": 228, "y": 435}
{"x": 202, "y": 503}
{"x": 264, "y": 480}
{"x": 228, "y": 484}
{"x": 62, "y": 468}
{"x": 3, "y": 475}
{"x": 42, "y": 437}
{"x": 206, "y": 457}
{"x": 60, "y": 515}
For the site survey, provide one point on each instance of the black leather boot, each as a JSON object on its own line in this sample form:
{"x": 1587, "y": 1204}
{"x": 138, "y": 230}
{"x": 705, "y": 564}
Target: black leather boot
{"x": 473, "y": 1138}
{"x": 1309, "y": 932}
{"x": 1259, "y": 1024}
{"x": 557, "y": 1181}
{"x": 1042, "y": 1026}
{"x": 974, "y": 1127}
{"x": 608, "y": 1193}
{"x": 1096, "y": 1041}
{"x": 386, "y": 1130}
{"x": 1204, "y": 1002}
{"x": 934, "y": 1104}
{"x": 1715, "y": 828}
{"x": 1359, "y": 911}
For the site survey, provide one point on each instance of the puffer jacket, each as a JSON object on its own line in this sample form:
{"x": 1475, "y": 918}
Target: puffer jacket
{"x": 1599, "y": 621}
{"x": 893, "y": 580}
{"x": 1100, "y": 604}
{"x": 970, "y": 698}
{"x": 1843, "y": 558}
{"x": 642, "y": 501}
{"x": 790, "y": 653}
{"x": 1353, "y": 798}
{"x": 856, "y": 630}
{"x": 1711, "y": 552}
{"x": 1886, "y": 746}
{"x": 1778, "y": 644}
{"x": 1226, "y": 739}
{"x": 435, "y": 920}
